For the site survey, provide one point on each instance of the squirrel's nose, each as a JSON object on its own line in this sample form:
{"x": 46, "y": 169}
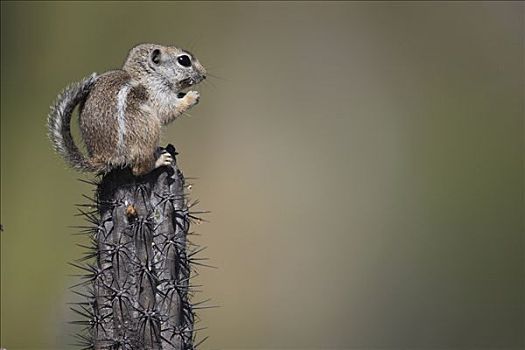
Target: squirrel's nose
{"x": 203, "y": 77}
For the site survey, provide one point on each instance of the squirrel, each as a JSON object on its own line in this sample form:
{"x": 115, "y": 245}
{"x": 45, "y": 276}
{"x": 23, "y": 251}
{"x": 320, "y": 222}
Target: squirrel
{"x": 121, "y": 112}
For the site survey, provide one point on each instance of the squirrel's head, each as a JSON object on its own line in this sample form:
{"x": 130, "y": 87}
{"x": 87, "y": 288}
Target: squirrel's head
{"x": 166, "y": 67}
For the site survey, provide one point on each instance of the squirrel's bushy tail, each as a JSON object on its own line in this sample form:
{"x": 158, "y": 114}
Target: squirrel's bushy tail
{"x": 59, "y": 121}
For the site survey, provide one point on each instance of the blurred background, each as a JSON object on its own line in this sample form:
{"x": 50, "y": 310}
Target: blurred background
{"x": 363, "y": 163}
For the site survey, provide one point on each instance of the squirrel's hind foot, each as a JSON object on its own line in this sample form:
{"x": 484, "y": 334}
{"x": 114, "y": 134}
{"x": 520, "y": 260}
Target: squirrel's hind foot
{"x": 164, "y": 159}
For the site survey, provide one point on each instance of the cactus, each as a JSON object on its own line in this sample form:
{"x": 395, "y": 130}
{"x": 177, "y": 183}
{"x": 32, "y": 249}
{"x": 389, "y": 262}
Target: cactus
{"x": 138, "y": 267}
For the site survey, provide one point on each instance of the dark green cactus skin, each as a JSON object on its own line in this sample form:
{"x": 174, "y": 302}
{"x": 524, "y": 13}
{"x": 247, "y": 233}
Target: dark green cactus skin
{"x": 139, "y": 264}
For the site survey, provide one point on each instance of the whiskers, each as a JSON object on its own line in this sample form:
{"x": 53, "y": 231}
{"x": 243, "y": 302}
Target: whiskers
{"x": 211, "y": 80}
{"x": 216, "y": 76}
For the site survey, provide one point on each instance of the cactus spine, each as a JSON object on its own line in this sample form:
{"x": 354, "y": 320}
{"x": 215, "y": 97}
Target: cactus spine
{"x": 139, "y": 264}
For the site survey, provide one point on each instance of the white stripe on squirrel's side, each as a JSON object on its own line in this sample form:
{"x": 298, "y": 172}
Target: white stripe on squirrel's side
{"x": 121, "y": 114}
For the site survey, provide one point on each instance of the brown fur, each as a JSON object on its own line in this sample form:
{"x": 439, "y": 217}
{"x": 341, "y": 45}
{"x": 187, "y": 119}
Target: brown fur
{"x": 130, "y": 137}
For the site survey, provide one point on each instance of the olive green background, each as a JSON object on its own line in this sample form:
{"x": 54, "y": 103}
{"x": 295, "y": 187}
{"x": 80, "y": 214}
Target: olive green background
{"x": 363, "y": 163}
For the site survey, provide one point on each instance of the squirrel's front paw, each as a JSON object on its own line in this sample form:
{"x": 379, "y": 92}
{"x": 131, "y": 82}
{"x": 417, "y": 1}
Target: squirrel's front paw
{"x": 191, "y": 98}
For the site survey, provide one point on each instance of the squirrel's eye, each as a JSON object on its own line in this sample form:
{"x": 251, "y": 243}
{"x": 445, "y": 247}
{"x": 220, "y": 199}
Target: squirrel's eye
{"x": 184, "y": 60}
{"x": 155, "y": 56}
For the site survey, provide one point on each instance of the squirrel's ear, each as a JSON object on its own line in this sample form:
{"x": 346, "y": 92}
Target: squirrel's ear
{"x": 155, "y": 56}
